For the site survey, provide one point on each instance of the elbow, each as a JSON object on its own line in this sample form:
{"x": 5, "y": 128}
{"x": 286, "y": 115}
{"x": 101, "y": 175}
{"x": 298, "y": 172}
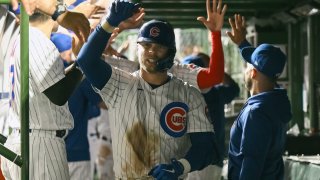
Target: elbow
{"x": 59, "y": 102}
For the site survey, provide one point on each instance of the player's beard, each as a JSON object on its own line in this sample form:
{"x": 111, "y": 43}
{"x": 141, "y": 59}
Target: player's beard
{"x": 149, "y": 65}
{"x": 248, "y": 82}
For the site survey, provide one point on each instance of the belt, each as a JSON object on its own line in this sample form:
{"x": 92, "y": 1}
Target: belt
{"x": 4, "y": 95}
{"x": 59, "y": 133}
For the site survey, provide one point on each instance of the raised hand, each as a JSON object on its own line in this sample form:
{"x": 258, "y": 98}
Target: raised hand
{"x": 238, "y": 32}
{"x": 70, "y": 20}
{"x": 120, "y": 11}
{"x": 214, "y": 21}
{"x": 133, "y": 22}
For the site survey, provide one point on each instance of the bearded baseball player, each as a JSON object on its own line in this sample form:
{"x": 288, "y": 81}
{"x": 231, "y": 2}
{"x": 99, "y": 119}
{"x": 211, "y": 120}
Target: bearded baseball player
{"x": 50, "y": 119}
{"x": 158, "y": 122}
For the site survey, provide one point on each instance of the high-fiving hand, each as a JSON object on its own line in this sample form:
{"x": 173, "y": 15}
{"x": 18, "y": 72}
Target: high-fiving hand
{"x": 214, "y": 21}
{"x": 238, "y": 25}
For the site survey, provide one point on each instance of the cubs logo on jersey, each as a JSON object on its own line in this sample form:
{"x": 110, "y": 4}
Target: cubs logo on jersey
{"x": 173, "y": 119}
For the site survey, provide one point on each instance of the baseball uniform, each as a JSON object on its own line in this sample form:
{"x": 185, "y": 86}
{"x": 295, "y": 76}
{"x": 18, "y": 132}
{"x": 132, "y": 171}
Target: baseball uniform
{"x": 77, "y": 145}
{"x": 163, "y": 116}
{"x": 202, "y": 78}
{"x": 48, "y": 122}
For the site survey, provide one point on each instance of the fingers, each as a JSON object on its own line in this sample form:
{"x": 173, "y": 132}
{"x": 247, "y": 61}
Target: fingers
{"x": 201, "y": 18}
{"x": 219, "y": 6}
{"x": 232, "y": 24}
{"x": 14, "y": 4}
{"x": 243, "y": 22}
{"x": 208, "y": 8}
{"x": 224, "y": 10}
{"x": 214, "y": 6}
{"x": 27, "y": 7}
{"x": 230, "y": 35}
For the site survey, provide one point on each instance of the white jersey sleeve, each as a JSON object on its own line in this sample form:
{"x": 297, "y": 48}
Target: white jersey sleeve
{"x": 44, "y": 73}
{"x": 115, "y": 87}
{"x": 124, "y": 64}
{"x": 186, "y": 72}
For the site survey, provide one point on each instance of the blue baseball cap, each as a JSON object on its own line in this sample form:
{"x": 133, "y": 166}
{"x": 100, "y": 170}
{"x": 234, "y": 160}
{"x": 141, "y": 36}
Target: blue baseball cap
{"x": 157, "y": 31}
{"x": 266, "y": 58}
{"x": 192, "y": 59}
{"x": 62, "y": 41}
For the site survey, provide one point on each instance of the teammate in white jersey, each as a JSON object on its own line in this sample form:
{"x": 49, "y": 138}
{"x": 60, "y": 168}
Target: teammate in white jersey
{"x": 158, "y": 122}
{"x": 50, "y": 119}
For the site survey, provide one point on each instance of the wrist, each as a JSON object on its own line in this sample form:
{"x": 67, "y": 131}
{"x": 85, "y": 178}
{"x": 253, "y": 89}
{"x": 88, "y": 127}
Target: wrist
{"x": 60, "y": 9}
{"x": 186, "y": 165}
{"x": 107, "y": 27}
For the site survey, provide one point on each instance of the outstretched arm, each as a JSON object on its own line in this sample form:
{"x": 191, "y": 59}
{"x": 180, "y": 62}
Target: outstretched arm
{"x": 213, "y": 75}
{"x": 96, "y": 70}
{"x": 238, "y": 29}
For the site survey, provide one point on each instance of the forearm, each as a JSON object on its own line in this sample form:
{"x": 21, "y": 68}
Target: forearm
{"x": 60, "y": 92}
{"x": 96, "y": 70}
{"x": 213, "y": 75}
{"x": 203, "y": 151}
{"x": 47, "y": 7}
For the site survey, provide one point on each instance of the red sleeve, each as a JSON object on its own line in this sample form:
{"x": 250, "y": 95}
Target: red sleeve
{"x": 213, "y": 75}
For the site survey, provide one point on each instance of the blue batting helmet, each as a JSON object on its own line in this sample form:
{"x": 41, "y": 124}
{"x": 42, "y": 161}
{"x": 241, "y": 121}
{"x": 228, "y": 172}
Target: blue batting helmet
{"x": 160, "y": 32}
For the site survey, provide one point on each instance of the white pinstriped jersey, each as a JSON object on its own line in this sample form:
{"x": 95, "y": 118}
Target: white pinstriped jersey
{"x": 46, "y": 69}
{"x": 150, "y": 126}
{"x": 182, "y": 71}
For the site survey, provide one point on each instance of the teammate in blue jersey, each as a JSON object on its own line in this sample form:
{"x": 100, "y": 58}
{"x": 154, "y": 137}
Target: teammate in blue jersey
{"x": 77, "y": 145}
{"x": 216, "y": 98}
{"x": 257, "y": 137}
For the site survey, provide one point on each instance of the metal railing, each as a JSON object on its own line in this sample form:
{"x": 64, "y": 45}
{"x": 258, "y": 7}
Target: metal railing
{"x": 23, "y": 160}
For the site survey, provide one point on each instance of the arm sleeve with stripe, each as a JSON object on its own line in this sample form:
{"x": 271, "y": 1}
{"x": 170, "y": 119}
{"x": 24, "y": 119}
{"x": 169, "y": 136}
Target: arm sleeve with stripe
{"x": 213, "y": 75}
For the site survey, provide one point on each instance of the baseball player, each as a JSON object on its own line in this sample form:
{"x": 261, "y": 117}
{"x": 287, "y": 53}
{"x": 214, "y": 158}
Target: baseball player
{"x": 158, "y": 125}
{"x": 258, "y": 135}
{"x": 215, "y": 98}
{"x": 50, "y": 119}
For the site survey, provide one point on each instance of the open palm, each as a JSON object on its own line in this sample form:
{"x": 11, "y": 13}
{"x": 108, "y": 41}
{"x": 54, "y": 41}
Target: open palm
{"x": 215, "y": 15}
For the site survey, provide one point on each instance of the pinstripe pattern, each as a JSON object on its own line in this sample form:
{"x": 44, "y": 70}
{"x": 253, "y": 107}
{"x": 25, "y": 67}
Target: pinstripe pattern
{"x": 47, "y": 152}
{"x": 46, "y": 69}
{"x": 181, "y": 71}
{"x": 133, "y": 101}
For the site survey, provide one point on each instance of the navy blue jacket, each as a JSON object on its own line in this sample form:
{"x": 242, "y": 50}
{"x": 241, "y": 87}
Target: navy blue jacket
{"x": 216, "y": 98}
{"x": 257, "y": 137}
{"x": 82, "y": 105}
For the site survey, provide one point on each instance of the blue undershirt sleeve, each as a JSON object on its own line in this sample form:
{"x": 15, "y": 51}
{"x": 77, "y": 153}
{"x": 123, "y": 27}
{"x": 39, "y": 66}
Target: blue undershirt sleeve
{"x": 203, "y": 151}
{"x": 97, "y": 71}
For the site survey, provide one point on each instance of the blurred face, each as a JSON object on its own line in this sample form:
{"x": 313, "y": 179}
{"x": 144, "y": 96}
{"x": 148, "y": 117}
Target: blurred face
{"x": 247, "y": 76}
{"x": 149, "y": 54}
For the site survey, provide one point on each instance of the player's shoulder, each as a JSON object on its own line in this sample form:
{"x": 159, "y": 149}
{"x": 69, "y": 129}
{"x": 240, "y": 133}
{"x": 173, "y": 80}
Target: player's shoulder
{"x": 183, "y": 83}
{"x": 185, "y": 67}
{"x": 38, "y": 40}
